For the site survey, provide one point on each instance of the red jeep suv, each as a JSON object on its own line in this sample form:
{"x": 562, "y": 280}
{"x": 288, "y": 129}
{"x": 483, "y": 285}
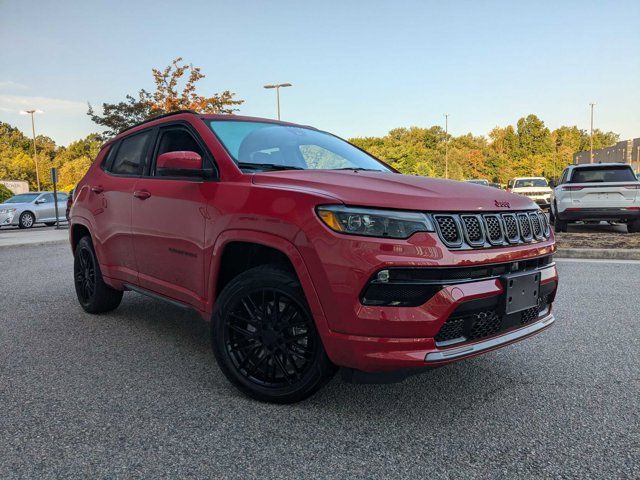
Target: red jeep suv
{"x": 306, "y": 253}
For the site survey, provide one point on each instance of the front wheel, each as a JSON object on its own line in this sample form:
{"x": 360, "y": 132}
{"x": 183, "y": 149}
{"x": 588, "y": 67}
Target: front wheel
{"x": 26, "y": 220}
{"x": 94, "y": 295}
{"x": 265, "y": 340}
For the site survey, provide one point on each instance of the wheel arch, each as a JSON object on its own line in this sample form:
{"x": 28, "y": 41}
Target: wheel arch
{"x": 267, "y": 249}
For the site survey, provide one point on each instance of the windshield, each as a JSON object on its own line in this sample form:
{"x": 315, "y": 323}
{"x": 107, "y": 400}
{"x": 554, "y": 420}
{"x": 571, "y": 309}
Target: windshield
{"x": 23, "y": 198}
{"x": 531, "y": 182}
{"x": 268, "y": 146}
{"x": 603, "y": 174}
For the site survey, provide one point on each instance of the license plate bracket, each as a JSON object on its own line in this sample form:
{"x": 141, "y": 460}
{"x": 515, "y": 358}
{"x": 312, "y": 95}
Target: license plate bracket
{"x": 521, "y": 291}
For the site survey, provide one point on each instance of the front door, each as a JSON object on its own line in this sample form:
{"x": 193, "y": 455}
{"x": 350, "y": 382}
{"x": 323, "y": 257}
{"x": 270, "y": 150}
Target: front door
{"x": 169, "y": 217}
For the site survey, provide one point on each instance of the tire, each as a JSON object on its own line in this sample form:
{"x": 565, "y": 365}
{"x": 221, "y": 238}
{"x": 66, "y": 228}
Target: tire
{"x": 559, "y": 225}
{"x": 49, "y": 224}
{"x": 94, "y": 295}
{"x": 265, "y": 340}
{"x": 633, "y": 226}
{"x": 26, "y": 220}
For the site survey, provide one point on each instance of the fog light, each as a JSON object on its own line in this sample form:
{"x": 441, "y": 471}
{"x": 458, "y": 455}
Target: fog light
{"x": 383, "y": 276}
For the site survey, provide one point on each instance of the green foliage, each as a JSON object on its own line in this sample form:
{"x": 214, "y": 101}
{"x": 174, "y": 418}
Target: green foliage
{"x": 527, "y": 149}
{"x": 17, "y": 163}
{"x": 166, "y": 98}
{"x": 5, "y": 193}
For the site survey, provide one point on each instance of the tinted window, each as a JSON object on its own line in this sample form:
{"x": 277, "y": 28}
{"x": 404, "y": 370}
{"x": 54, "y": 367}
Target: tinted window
{"x": 564, "y": 176}
{"x": 603, "y": 174}
{"x": 23, "y": 198}
{"x": 130, "y": 156}
{"x": 47, "y": 198}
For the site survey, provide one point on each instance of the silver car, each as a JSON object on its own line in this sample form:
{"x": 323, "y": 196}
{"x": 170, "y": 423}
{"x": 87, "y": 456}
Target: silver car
{"x": 26, "y": 209}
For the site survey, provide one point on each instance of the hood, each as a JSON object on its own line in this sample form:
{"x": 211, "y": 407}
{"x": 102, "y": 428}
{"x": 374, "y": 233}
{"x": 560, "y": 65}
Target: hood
{"x": 392, "y": 190}
{"x": 14, "y": 205}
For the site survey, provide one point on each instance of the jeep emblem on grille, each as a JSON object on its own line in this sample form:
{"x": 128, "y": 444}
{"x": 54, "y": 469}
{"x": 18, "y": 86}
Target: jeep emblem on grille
{"x": 502, "y": 204}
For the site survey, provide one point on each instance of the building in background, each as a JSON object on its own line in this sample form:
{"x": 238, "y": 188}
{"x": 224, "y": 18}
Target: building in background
{"x": 16, "y": 186}
{"x": 626, "y": 151}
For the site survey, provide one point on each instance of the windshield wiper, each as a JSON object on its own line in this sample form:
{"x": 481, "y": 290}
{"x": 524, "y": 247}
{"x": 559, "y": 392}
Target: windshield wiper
{"x": 267, "y": 166}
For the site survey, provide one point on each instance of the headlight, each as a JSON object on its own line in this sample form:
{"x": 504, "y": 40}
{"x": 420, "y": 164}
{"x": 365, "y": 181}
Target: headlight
{"x": 374, "y": 222}
{"x": 7, "y": 210}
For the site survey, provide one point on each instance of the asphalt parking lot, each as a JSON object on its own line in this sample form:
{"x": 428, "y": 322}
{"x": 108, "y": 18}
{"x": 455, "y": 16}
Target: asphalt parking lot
{"x": 136, "y": 393}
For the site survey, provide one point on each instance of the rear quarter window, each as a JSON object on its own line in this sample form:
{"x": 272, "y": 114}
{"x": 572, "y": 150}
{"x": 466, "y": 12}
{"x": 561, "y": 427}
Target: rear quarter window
{"x": 603, "y": 175}
{"x": 129, "y": 158}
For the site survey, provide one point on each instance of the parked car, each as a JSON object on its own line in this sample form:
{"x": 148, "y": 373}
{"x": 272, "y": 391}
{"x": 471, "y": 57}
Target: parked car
{"x": 597, "y": 192}
{"x": 306, "y": 253}
{"x": 478, "y": 181}
{"x": 27, "y": 209}
{"x": 495, "y": 185}
{"x": 536, "y": 188}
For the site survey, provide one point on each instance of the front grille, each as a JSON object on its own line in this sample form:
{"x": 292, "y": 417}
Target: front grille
{"x": 472, "y": 230}
{"x": 465, "y": 231}
{"x": 448, "y": 229}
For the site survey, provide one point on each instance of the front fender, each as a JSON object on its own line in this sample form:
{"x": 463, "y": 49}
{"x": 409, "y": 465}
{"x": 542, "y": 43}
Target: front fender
{"x": 272, "y": 241}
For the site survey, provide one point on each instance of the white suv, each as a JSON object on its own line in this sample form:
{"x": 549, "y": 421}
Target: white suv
{"x": 536, "y": 188}
{"x": 596, "y": 192}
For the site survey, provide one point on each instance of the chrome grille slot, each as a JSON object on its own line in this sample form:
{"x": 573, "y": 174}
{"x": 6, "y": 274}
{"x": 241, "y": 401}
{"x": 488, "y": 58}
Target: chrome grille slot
{"x": 493, "y": 227}
{"x": 473, "y": 232}
{"x": 525, "y": 227}
{"x": 535, "y": 225}
{"x": 449, "y": 230}
{"x": 511, "y": 227}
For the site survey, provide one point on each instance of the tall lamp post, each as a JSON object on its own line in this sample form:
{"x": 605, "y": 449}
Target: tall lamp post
{"x": 446, "y": 145}
{"x": 592, "y": 104}
{"x": 35, "y": 151}
{"x": 277, "y": 86}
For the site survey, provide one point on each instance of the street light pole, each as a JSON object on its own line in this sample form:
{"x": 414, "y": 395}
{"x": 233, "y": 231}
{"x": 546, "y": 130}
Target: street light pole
{"x": 277, "y": 86}
{"x": 591, "y": 135}
{"x": 446, "y": 145}
{"x": 35, "y": 151}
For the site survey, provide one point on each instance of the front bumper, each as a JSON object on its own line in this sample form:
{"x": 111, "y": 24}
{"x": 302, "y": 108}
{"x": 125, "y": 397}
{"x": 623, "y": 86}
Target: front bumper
{"x": 402, "y": 355}
{"x": 7, "y": 219}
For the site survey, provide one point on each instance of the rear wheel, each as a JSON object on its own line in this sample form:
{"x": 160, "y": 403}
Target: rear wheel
{"x": 559, "y": 225}
{"x": 264, "y": 337}
{"x": 633, "y": 226}
{"x": 94, "y": 295}
{"x": 26, "y": 220}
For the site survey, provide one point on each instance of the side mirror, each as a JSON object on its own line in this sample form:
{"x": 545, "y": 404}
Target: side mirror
{"x": 40, "y": 200}
{"x": 180, "y": 164}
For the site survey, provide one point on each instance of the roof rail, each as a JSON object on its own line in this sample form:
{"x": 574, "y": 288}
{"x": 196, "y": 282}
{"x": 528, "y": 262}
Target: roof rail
{"x": 163, "y": 115}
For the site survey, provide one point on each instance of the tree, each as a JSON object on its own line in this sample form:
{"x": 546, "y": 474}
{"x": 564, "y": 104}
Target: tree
{"x": 166, "y": 98}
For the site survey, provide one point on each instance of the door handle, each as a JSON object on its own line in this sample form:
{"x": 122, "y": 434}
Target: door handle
{"x": 141, "y": 194}
{"x": 97, "y": 189}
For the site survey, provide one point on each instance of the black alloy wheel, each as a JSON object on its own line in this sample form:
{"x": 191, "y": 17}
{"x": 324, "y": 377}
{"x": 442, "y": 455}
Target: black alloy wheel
{"x": 265, "y": 339}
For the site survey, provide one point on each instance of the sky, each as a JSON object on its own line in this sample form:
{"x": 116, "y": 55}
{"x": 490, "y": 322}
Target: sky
{"x": 358, "y": 68}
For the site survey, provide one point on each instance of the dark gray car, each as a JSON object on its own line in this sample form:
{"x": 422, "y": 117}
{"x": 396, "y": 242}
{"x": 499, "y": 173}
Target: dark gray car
{"x": 26, "y": 209}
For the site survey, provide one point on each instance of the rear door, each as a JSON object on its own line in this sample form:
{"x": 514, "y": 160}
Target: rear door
{"x": 607, "y": 186}
{"x": 169, "y": 218}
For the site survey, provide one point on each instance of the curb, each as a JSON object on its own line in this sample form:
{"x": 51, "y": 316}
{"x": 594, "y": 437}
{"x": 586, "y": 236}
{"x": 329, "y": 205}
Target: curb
{"x": 599, "y": 253}
{"x": 33, "y": 244}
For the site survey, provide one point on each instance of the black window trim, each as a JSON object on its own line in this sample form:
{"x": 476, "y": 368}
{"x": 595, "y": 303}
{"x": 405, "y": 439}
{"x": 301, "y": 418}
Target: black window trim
{"x": 180, "y": 125}
{"x": 113, "y": 152}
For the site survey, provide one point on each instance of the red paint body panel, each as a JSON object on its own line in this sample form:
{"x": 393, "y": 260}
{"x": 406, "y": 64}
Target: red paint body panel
{"x": 171, "y": 242}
